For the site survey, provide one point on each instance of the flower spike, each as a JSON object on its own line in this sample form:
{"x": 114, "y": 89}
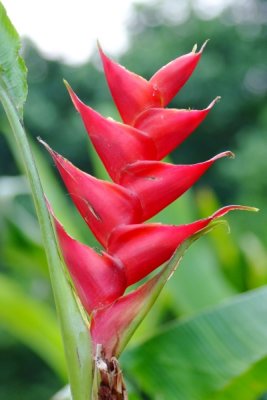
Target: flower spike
{"x": 130, "y": 243}
{"x": 170, "y": 127}
{"x": 131, "y": 152}
{"x": 91, "y": 196}
{"x": 133, "y": 94}
{"x": 98, "y": 279}
{"x": 111, "y": 138}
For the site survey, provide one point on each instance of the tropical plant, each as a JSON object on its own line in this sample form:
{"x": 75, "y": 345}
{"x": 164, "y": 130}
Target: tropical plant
{"x": 97, "y": 317}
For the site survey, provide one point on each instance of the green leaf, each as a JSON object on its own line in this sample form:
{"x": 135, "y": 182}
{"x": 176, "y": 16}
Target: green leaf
{"x": 33, "y": 323}
{"x": 247, "y": 386}
{"x": 20, "y": 243}
{"x": 13, "y": 74}
{"x": 200, "y": 358}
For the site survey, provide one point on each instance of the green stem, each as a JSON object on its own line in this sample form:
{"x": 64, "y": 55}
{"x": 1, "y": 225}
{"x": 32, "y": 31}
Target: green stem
{"x": 73, "y": 326}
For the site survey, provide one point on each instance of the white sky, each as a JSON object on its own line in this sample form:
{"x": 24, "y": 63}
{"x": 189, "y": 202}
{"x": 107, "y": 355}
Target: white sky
{"x": 68, "y": 29}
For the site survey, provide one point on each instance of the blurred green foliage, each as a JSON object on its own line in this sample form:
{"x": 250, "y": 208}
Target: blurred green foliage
{"x": 218, "y": 267}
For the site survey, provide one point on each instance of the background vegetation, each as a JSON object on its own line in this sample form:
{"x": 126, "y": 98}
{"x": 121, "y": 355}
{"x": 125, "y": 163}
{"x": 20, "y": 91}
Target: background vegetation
{"x": 217, "y": 268}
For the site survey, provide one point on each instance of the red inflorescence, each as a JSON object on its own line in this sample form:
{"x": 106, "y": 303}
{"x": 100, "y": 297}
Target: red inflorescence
{"x": 143, "y": 185}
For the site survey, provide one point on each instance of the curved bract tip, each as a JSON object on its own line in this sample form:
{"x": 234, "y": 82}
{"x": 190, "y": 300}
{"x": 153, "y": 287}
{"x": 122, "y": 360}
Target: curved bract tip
{"x": 98, "y": 45}
{"x": 227, "y": 153}
{"x": 75, "y": 99}
{"x": 48, "y": 148}
{"x": 194, "y": 49}
{"x": 214, "y": 101}
{"x": 226, "y": 209}
{"x": 203, "y": 46}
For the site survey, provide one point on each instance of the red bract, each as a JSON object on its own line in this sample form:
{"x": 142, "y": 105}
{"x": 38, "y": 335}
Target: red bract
{"x": 170, "y": 127}
{"x": 116, "y": 144}
{"x": 115, "y": 212}
{"x": 91, "y": 197}
{"x": 99, "y": 279}
{"x": 145, "y": 178}
{"x": 110, "y": 323}
{"x": 130, "y": 243}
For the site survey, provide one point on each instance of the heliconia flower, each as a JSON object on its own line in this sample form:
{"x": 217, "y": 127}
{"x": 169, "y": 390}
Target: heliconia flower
{"x": 99, "y": 279}
{"x": 133, "y": 94}
{"x": 143, "y": 186}
{"x": 130, "y": 243}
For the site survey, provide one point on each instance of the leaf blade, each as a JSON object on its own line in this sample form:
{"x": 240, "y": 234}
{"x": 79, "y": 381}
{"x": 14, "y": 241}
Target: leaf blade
{"x": 199, "y": 357}
{"x": 33, "y": 323}
{"x": 13, "y": 74}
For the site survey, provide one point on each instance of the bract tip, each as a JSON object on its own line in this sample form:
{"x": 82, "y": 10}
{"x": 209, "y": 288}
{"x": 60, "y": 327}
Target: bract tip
{"x": 194, "y": 49}
{"x": 74, "y": 98}
{"x": 253, "y": 209}
{"x": 203, "y": 46}
{"x": 45, "y": 145}
{"x": 66, "y": 83}
{"x": 222, "y": 211}
{"x": 227, "y": 153}
{"x": 52, "y": 152}
{"x": 214, "y": 101}
{"x": 99, "y": 46}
